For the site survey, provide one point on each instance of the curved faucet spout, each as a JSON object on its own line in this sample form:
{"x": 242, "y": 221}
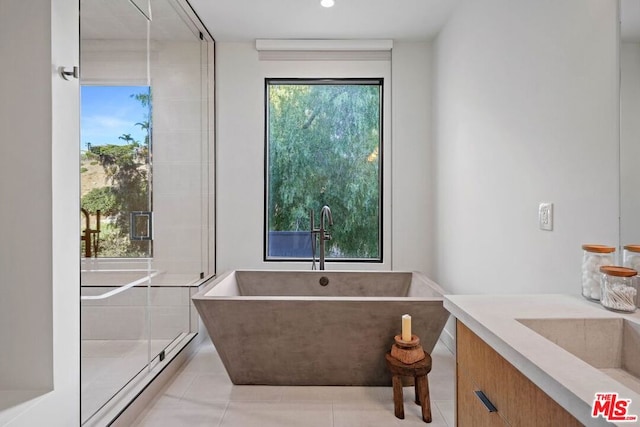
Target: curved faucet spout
{"x": 325, "y": 213}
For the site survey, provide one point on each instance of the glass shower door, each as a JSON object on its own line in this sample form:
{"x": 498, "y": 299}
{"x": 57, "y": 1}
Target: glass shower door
{"x": 117, "y": 269}
{"x": 145, "y": 190}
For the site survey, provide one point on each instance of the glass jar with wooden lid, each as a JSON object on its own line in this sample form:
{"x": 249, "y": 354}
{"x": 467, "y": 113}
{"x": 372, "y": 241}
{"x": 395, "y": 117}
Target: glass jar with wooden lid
{"x": 594, "y": 257}
{"x": 619, "y": 292}
{"x": 631, "y": 257}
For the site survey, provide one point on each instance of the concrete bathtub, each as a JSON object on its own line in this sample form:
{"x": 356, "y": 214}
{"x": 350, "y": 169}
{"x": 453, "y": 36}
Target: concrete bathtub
{"x": 287, "y": 328}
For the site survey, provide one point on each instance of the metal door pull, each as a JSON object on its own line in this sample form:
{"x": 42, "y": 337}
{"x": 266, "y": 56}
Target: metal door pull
{"x": 485, "y": 401}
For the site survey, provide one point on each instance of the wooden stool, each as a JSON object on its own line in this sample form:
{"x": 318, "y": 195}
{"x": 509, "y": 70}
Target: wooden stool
{"x": 418, "y": 371}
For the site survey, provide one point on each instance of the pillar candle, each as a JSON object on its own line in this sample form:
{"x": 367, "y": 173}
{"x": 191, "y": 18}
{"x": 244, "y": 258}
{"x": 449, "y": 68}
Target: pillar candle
{"x": 406, "y": 327}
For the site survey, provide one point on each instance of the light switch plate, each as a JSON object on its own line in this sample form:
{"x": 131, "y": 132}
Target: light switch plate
{"x": 545, "y": 216}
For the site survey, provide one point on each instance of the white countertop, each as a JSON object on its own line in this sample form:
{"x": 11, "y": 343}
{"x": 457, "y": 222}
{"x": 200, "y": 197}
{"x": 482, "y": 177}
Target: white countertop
{"x": 566, "y": 378}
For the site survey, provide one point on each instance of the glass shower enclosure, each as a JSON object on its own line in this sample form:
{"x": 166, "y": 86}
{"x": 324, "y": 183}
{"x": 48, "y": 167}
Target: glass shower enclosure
{"x": 145, "y": 239}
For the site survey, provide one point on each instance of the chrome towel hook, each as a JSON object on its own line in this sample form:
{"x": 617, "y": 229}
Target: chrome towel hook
{"x": 65, "y": 74}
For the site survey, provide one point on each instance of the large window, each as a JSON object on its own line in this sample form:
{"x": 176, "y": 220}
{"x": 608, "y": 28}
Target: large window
{"x": 324, "y": 147}
{"x": 115, "y": 171}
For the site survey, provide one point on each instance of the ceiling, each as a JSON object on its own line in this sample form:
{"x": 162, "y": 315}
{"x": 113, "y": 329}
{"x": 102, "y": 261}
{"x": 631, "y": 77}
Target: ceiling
{"x": 247, "y": 20}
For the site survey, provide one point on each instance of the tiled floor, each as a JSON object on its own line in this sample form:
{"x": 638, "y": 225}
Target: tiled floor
{"x": 201, "y": 394}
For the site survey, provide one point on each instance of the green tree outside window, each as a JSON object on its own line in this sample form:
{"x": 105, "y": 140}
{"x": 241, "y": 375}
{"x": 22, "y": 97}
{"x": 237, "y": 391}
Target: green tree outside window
{"x": 324, "y": 148}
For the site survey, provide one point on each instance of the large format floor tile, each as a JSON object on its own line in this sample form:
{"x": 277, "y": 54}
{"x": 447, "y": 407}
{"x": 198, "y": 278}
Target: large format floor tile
{"x": 202, "y": 394}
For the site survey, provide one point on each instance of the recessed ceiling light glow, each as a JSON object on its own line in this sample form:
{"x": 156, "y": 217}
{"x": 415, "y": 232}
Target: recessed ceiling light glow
{"x": 327, "y": 3}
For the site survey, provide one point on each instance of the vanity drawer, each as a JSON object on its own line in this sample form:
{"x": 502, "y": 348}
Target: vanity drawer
{"x": 518, "y": 401}
{"x": 470, "y": 410}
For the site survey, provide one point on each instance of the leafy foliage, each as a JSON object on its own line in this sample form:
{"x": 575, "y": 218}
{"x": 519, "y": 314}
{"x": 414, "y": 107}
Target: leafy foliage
{"x": 323, "y": 149}
{"x": 102, "y": 199}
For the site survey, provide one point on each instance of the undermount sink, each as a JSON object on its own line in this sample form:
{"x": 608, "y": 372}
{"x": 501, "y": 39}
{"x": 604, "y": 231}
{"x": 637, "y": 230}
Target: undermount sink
{"x": 611, "y": 345}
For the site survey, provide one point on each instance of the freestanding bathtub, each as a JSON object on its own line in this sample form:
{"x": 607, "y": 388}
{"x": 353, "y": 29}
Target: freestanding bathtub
{"x": 290, "y": 328}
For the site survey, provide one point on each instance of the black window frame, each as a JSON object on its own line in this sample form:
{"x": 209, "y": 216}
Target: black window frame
{"x": 379, "y": 81}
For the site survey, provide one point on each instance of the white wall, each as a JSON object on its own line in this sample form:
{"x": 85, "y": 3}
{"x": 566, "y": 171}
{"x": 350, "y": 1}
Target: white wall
{"x": 629, "y": 146}
{"x": 180, "y": 156}
{"x": 525, "y": 111}
{"x": 240, "y": 153}
{"x": 26, "y": 149}
{"x": 412, "y": 204}
{"x": 39, "y": 308}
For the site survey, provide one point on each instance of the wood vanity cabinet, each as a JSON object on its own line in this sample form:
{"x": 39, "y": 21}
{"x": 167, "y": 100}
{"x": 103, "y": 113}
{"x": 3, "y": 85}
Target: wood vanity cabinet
{"x": 518, "y": 401}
